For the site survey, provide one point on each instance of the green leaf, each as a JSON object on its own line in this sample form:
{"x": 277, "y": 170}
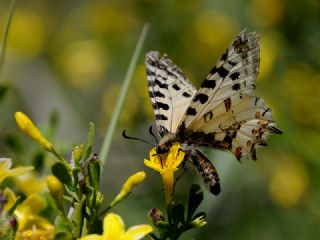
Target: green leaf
{"x": 106, "y": 145}
{"x": 78, "y": 216}
{"x": 60, "y": 171}
{"x": 94, "y": 174}
{"x": 91, "y": 197}
{"x": 195, "y": 198}
{"x": 177, "y": 214}
{"x": 89, "y": 141}
{"x": 51, "y": 202}
{"x": 63, "y": 236}
{"x": 63, "y": 228}
{"x": 77, "y": 153}
{"x": 163, "y": 229}
{"x": 38, "y": 161}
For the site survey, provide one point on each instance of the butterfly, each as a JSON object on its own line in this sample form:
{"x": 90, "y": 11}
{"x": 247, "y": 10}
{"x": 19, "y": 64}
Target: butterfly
{"x": 221, "y": 114}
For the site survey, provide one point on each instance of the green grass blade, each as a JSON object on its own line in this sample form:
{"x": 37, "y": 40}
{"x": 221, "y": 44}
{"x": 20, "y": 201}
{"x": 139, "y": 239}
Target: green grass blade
{"x": 123, "y": 93}
{"x": 5, "y": 35}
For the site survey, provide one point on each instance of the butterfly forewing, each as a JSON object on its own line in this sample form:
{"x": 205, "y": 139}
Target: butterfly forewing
{"x": 169, "y": 90}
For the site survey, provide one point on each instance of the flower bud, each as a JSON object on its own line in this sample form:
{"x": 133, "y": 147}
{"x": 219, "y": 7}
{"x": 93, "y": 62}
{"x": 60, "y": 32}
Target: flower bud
{"x": 27, "y": 126}
{"x": 55, "y": 187}
{"x": 156, "y": 216}
{"x": 127, "y": 187}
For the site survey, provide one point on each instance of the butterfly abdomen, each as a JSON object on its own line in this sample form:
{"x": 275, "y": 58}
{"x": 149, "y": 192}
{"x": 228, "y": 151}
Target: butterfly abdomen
{"x": 207, "y": 171}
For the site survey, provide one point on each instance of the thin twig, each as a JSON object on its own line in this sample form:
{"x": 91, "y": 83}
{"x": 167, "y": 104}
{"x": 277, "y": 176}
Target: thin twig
{"x": 123, "y": 93}
{"x": 5, "y": 35}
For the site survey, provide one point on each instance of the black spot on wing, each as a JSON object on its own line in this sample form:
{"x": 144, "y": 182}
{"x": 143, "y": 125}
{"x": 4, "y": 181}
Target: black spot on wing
{"x": 203, "y": 98}
{"x": 161, "y": 117}
{"x": 175, "y": 87}
{"x": 220, "y": 70}
{"x": 187, "y": 95}
{"x": 234, "y": 76}
{"x": 224, "y": 57}
{"x": 227, "y": 139}
{"x": 236, "y": 87}
{"x": 208, "y": 116}
{"x": 161, "y": 85}
{"x": 156, "y": 94}
{"x": 266, "y": 111}
{"x": 164, "y": 106}
{"x": 208, "y": 84}
{"x": 191, "y": 111}
{"x": 232, "y": 63}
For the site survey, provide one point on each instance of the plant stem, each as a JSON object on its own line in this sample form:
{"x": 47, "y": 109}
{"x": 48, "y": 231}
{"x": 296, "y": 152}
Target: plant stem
{"x": 5, "y": 35}
{"x": 123, "y": 93}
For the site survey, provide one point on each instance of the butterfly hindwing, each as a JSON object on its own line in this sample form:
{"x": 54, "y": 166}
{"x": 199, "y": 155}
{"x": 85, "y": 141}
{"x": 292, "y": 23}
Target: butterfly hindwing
{"x": 223, "y": 112}
{"x": 169, "y": 90}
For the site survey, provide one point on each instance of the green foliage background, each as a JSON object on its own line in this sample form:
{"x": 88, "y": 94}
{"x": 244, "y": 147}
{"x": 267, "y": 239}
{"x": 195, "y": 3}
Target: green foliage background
{"x": 66, "y": 61}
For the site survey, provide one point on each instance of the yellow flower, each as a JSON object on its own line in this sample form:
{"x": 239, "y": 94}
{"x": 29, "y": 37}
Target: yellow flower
{"x": 27, "y": 126}
{"x": 113, "y": 229}
{"x": 166, "y": 164}
{"x": 5, "y": 171}
{"x": 127, "y": 187}
{"x": 27, "y": 213}
{"x": 30, "y": 183}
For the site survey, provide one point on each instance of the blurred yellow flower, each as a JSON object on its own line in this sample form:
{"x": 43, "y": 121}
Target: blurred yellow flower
{"x": 27, "y": 213}
{"x": 113, "y": 229}
{"x": 27, "y": 126}
{"x": 127, "y": 187}
{"x": 166, "y": 164}
{"x": 83, "y": 62}
{"x": 30, "y": 183}
{"x": 267, "y": 13}
{"x": 288, "y": 183}
{"x": 31, "y": 27}
{"x": 6, "y": 171}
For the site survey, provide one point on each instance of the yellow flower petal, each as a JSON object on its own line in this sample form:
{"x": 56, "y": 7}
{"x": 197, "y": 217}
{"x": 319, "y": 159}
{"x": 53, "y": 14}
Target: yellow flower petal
{"x": 137, "y": 232}
{"x": 11, "y": 198}
{"x": 29, "y": 221}
{"x": 5, "y": 164}
{"x": 168, "y": 183}
{"x": 113, "y": 227}
{"x": 92, "y": 237}
{"x": 5, "y": 171}
{"x": 32, "y": 205}
{"x": 152, "y": 165}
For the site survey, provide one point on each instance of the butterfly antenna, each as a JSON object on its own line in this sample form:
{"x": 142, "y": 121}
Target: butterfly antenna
{"x": 134, "y": 138}
{"x": 152, "y": 134}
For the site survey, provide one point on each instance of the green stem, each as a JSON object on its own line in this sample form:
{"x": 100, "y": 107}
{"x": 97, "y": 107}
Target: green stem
{"x": 123, "y": 93}
{"x": 5, "y": 35}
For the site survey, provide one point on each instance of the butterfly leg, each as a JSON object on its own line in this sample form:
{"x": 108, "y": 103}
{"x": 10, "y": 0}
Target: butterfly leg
{"x": 207, "y": 171}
